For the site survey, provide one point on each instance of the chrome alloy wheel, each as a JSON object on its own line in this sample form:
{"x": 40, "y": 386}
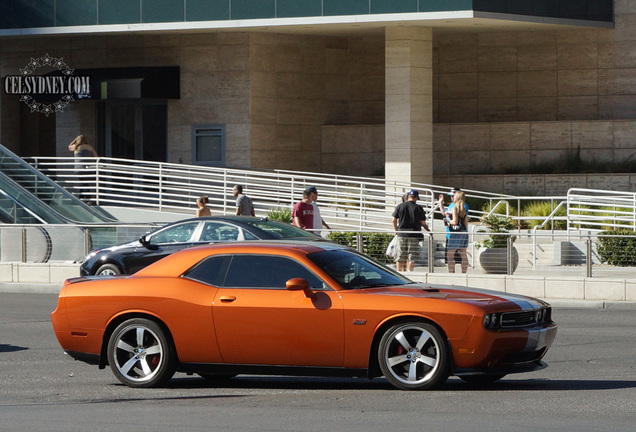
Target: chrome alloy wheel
{"x": 414, "y": 356}
{"x": 139, "y": 354}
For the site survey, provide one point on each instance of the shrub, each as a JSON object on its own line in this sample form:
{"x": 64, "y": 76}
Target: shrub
{"x": 501, "y": 210}
{"x": 615, "y": 250}
{"x": 373, "y": 244}
{"x": 280, "y": 214}
{"x": 497, "y": 224}
{"x": 543, "y": 209}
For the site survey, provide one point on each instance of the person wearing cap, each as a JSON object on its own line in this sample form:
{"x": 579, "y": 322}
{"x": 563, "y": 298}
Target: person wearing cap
{"x": 244, "y": 206}
{"x": 408, "y": 220}
{"x": 303, "y": 212}
{"x": 319, "y": 222}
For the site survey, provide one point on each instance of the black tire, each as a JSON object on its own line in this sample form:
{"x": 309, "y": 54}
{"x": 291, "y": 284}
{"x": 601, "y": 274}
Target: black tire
{"x": 140, "y": 353}
{"x": 482, "y": 379}
{"x": 108, "y": 270}
{"x": 414, "y": 356}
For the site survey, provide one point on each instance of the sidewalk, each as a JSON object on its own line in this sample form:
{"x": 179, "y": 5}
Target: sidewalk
{"x": 561, "y": 289}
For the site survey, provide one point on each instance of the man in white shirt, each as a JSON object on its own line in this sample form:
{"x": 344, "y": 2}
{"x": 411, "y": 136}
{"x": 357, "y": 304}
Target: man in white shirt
{"x": 319, "y": 222}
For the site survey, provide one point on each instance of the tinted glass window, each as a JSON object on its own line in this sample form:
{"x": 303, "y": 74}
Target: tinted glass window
{"x": 210, "y": 271}
{"x": 216, "y": 231}
{"x": 271, "y": 272}
{"x": 355, "y": 271}
{"x": 175, "y": 234}
{"x": 280, "y": 230}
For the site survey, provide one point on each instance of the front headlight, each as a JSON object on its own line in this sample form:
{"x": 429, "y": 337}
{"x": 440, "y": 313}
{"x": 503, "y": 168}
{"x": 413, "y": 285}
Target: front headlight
{"x": 492, "y": 321}
{"x": 91, "y": 255}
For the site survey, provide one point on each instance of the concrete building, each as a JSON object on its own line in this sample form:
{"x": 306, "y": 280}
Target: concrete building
{"x": 416, "y": 90}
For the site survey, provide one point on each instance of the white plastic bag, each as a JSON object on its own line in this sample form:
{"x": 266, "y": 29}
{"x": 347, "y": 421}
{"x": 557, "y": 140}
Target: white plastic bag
{"x": 391, "y": 249}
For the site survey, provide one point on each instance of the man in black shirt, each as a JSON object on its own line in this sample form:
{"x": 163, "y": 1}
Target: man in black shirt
{"x": 409, "y": 217}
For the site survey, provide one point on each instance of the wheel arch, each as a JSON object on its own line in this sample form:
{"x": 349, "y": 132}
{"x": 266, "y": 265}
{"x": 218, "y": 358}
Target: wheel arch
{"x": 116, "y": 321}
{"x": 374, "y": 365}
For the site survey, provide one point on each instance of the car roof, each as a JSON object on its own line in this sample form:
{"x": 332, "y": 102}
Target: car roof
{"x": 178, "y": 262}
{"x": 233, "y": 218}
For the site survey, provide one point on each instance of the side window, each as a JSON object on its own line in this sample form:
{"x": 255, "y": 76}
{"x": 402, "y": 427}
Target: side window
{"x": 175, "y": 234}
{"x": 270, "y": 272}
{"x": 215, "y": 231}
{"x": 210, "y": 271}
{"x": 248, "y": 235}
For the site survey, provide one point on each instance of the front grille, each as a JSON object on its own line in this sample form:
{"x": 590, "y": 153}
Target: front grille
{"x": 518, "y": 319}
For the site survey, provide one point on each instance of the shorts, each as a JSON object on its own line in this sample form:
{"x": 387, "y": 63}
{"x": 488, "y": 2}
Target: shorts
{"x": 408, "y": 248}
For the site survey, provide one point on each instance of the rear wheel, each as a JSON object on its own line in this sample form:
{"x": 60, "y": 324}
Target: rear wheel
{"x": 108, "y": 270}
{"x": 140, "y": 353}
{"x": 414, "y": 356}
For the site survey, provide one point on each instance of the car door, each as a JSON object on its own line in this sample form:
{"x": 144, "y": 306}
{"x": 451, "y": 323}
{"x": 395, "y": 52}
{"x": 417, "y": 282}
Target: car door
{"x": 161, "y": 244}
{"x": 258, "y": 321}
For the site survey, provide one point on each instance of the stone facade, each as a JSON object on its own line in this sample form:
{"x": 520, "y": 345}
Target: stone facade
{"x": 272, "y": 92}
{"x": 497, "y": 98}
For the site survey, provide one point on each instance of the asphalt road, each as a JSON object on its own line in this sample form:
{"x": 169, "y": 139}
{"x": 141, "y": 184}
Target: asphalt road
{"x": 589, "y": 386}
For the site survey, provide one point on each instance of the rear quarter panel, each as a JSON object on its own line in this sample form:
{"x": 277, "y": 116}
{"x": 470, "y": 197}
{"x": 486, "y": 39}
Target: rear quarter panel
{"x": 184, "y": 306}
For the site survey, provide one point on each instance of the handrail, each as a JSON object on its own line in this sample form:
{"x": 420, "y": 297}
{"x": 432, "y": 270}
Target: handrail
{"x": 599, "y": 209}
{"x": 346, "y": 201}
{"x": 536, "y": 227}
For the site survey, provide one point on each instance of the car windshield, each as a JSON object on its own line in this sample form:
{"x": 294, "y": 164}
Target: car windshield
{"x": 280, "y": 230}
{"x": 356, "y": 271}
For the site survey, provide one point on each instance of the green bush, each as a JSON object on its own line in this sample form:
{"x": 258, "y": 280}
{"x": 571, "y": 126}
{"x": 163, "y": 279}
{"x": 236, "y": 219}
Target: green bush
{"x": 617, "y": 251}
{"x": 280, "y": 214}
{"x": 373, "y": 244}
{"x": 501, "y": 210}
{"x": 497, "y": 224}
{"x": 543, "y": 209}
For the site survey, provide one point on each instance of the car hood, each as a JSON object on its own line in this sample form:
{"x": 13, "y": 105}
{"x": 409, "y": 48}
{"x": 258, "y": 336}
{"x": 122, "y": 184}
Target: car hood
{"x": 475, "y": 296}
{"x": 133, "y": 244}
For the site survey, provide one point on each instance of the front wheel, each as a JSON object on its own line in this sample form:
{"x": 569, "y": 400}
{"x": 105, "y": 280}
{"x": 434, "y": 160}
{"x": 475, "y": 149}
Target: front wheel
{"x": 414, "y": 356}
{"x": 108, "y": 270}
{"x": 140, "y": 353}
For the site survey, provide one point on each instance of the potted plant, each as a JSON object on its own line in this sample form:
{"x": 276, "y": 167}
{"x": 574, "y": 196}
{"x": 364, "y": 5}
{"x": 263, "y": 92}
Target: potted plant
{"x": 494, "y": 259}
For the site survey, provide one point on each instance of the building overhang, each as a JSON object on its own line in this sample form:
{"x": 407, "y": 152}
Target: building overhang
{"x": 346, "y": 25}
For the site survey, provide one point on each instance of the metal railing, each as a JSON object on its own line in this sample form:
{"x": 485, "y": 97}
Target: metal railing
{"x": 601, "y": 209}
{"x": 541, "y": 254}
{"x": 346, "y": 202}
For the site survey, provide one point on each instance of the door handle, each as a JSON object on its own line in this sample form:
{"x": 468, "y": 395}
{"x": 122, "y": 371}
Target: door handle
{"x": 227, "y": 299}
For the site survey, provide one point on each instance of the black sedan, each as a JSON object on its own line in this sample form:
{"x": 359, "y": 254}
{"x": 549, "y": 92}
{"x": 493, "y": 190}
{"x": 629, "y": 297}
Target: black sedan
{"x": 128, "y": 258}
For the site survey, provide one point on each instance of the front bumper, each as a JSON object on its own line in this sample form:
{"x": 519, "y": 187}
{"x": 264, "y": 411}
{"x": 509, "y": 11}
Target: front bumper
{"x": 504, "y": 351}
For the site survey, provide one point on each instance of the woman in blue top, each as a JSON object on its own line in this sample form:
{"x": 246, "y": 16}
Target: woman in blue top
{"x": 458, "y": 232}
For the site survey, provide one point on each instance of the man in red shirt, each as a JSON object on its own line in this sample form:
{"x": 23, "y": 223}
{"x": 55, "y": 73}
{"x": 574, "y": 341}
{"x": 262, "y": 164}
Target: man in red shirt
{"x": 303, "y": 213}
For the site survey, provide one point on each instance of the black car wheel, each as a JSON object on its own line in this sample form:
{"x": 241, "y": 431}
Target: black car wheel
{"x": 414, "y": 356}
{"x": 140, "y": 354}
{"x": 108, "y": 270}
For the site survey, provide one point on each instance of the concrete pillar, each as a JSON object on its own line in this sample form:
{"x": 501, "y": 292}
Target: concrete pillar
{"x": 409, "y": 104}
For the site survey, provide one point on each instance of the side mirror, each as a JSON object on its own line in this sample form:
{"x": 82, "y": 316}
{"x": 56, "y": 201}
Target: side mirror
{"x": 144, "y": 241}
{"x": 300, "y": 284}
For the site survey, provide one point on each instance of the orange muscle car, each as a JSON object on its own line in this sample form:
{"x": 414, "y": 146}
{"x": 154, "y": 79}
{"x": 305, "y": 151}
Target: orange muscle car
{"x": 311, "y": 308}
